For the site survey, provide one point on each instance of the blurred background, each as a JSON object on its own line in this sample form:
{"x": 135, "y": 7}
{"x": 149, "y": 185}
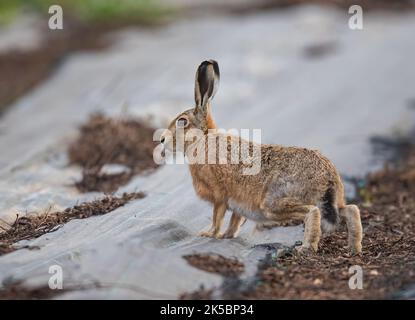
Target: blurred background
{"x": 324, "y": 84}
{"x": 294, "y": 69}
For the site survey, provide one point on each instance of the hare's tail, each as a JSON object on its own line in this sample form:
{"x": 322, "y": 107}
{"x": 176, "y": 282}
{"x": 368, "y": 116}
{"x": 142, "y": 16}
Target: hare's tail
{"x": 329, "y": 210}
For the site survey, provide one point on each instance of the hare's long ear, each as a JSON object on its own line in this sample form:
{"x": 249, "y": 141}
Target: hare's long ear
{"x": 206, "y": 84}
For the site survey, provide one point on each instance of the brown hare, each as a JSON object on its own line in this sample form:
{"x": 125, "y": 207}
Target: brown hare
{"x": 292, "y": 182}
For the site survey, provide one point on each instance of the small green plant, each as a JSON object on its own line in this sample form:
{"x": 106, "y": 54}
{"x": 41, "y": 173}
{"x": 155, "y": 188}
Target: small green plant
{"x": 9, "y": 10}
{"x": 117, "y": 11}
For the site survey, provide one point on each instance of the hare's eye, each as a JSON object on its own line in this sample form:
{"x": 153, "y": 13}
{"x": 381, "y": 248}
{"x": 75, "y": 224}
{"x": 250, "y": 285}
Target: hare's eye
{"x": 181, "y": 122}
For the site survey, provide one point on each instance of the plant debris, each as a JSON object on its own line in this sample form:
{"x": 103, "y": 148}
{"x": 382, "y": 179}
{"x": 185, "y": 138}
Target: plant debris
{"x": 397, "y": 5}
{"x": 104, "y": 141}
{"x": 17, "y": 291}
{"x": 201, "y": 294}
{"x": 35, "y": 225}
{"x": 215, "y": 263}
{"x": 387, "y": 260}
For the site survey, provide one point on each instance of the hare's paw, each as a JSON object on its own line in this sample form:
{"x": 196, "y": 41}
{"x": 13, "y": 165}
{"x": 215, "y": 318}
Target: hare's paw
{"x": 355, "y": 248}
{"x": 307, "y": 249}
{"x": 227, "y": 235}
{"x": 209, "y": 234}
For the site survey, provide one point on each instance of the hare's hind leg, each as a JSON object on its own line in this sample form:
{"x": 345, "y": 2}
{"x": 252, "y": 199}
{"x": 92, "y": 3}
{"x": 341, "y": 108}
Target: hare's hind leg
{"x": 219, "y": 211}
{"x": 234, "y": 226}
{"x": 312, "y": 225}
{"x": 351, "y": 214}
{"x": 286, "y": 208}
{"x": 312, "y": 229}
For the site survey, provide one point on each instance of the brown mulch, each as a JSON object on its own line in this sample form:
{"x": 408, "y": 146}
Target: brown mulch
{"x": 35, "y": 225}
{"x": 387, "y": 263}
{"x": 200, "y": 294}
{"x": 387, "y": 260}
{"x": 216, "y": 263}
{"x": 366, "y": 5}
{"x": 18, "y": 291}
{"x": 104, "y": 140}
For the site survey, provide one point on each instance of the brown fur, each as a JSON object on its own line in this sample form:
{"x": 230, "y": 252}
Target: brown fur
{"x": 292, "y": 182}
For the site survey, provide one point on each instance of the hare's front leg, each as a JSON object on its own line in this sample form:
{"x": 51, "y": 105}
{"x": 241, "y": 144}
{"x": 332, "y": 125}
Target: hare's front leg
{"x": 234, "y": 226}
{"x": 219, "y": 211}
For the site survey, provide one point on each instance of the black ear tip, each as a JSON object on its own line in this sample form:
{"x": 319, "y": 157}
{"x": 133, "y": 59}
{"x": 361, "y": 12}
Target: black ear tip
{"x": 211, "y": 62}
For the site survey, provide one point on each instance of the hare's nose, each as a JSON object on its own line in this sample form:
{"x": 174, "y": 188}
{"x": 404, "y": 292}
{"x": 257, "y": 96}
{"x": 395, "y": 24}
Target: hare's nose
{"x": 162, "y": 139}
